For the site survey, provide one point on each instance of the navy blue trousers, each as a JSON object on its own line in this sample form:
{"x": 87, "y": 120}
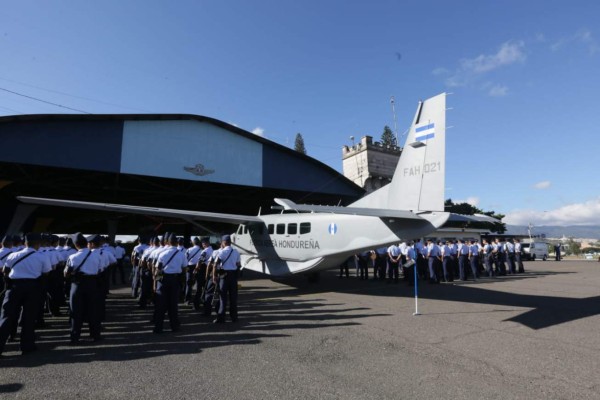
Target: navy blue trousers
{"x": 85, "y": 305}
{"x": 166, "y": 300}
{"x": 25, "y": 294}
{"x": 145, "y": 287}
{"x": 228, "y": 292}
{"x": 448, "y": 269}
{"x": 135, "y": 281}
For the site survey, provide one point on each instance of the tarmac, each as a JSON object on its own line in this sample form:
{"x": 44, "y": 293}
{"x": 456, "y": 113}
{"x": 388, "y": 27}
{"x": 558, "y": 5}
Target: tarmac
{"x": 530, "y": 336}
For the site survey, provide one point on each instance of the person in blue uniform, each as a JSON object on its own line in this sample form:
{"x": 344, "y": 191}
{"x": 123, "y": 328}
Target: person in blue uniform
{"x": 433, "y": 256}
{"x": 474, "y": 258}
{"x": 226, "y": 272}
{"x": 463, "y": 259}
{"x": 136, "y": 258}
{"x": 5, "y": 250}
{"x": 84, "y": 268}
{"x": 23, "y": 269}
{"x": 200, "y": 271}
{"x": 169, "y": 266}
{"x": 192, "y": 256}
{"x": 120, "y": 257}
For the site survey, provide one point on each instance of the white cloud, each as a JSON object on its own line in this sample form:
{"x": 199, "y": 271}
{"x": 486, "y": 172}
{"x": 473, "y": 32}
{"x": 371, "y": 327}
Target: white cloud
{"x": 542, "y": 185}
{"x": 587, "y": 213}
{"x": 498, "y": 91}
{"x": 258, "y": 131}
{"x": 440, "y": 71}
{"x": 472, "y": 70}
{"x": 474, "y": 201}
{"x": 582, "y": 37}
{"x": 508, "y": 53}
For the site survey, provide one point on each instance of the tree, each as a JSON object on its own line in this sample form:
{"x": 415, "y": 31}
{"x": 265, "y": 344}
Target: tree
{"x": 468, "y": 209}
{"x": 387, "y": 137}
{"x": 299, "y": 144}
{"x": 574, "y": 247}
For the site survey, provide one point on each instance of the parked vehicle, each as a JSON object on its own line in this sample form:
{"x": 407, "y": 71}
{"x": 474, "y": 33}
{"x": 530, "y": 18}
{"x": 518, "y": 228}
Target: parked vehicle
{"x": 534, "y": 251}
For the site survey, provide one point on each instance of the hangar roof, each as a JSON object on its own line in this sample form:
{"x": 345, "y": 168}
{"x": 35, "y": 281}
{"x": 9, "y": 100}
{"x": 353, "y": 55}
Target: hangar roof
{"x": 166, "y": 160}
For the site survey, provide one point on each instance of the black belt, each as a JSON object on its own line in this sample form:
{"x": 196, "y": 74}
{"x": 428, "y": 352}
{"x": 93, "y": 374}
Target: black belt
{"x": 23, "y": 279}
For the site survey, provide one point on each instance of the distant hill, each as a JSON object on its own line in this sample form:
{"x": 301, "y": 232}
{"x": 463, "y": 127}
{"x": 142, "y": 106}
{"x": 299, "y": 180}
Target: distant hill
{"x": 575, "y": 231}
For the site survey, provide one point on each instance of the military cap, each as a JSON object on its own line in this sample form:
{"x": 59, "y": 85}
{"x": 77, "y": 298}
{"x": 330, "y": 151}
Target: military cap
{"x": 226, "y": 238}
{"x": 94, "y": 238}
{"x": 78, "y": 238}
{"x": 196, "y": 240}
{"x": 205, "y": 240}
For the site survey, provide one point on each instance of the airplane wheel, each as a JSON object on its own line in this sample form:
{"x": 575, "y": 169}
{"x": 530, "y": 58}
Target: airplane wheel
{"x": 313, "y": 277}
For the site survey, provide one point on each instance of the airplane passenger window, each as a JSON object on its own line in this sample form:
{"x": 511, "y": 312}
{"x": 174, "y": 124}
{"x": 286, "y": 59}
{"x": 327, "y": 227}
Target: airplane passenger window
{"x": 292, "y": 229}
{"x": 280, "y": 229}
{"x": 271, "y": 229}
{"x": 304, "y": 228}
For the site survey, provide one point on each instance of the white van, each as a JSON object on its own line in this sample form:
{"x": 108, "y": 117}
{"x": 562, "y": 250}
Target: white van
{"x": 534, "y": 251}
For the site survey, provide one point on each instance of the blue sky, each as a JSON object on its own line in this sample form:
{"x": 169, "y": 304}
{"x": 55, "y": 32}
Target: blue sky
{"x": 525, "y": 78}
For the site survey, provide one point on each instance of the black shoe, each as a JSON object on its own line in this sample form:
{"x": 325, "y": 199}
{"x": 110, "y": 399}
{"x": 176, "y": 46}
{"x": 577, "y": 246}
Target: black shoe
{"x": 97, "y": 339}
{"x": 157, "y": 331}
{"x": 74, "y": 341}
{"x": 218, "y": 321}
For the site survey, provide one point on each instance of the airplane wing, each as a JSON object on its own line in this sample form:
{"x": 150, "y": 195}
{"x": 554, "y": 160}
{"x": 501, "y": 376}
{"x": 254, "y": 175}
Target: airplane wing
{"x": 369, "y": 212}
{"x": 162, "y": 212}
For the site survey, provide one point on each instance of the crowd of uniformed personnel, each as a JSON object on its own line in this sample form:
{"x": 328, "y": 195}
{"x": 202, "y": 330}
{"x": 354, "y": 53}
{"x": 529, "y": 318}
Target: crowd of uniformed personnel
{"x": 41, "y": 273}
{"x": 440, "y": 261}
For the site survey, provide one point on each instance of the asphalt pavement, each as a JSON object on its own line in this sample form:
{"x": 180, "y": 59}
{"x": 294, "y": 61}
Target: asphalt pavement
{"x": 531, "y": 336}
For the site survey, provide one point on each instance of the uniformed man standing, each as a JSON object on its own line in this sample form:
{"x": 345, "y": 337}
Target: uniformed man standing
{"x": 487, "y": 257}
{"x": 447, "y": 262}
{"x": 228, "y": 264}
{"x": 200, "y": 271}
{"x": 169, "y": 266}
{"x": 84, "y": 268}
{"x": 23, "y": 270}
{"x": 211, "y": 286}
{"x": 509, "y": 250}
{"x": 474, "y": 258}
{"x": 120, "y": 256}
{"x": 5, "y": 250}
{"x": 136, "y": 258}
{"x": 433, "y": 255}
{"x": 393, "y": 262}
{"x": 463, "y": 259}
{"x": 192, "y": 256}
{"x": 518, "y": 260}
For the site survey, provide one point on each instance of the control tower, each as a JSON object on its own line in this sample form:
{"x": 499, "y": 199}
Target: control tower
{"x": 369, "y": 164}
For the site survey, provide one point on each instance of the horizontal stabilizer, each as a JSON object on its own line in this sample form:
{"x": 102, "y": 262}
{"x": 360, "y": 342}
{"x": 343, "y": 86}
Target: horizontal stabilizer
{"x": 471, "y": 218}
{"x": 367, "y": 212}
{"x": 162, "y": 212}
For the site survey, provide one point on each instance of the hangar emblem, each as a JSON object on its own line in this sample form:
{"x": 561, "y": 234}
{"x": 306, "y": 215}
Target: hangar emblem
{"x": 199, "y": 170}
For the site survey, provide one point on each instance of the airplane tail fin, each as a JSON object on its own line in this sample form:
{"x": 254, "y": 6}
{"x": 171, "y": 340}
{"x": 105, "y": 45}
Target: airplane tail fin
{"x": 419, "y": 180}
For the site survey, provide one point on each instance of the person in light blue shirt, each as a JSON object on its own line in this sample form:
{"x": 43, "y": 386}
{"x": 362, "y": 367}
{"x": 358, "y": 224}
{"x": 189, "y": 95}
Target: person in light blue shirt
{"x": 200, "y": 271}
{"x": 84, "y": 268}
{"x": 23, "y": 297}
{"x": 5, "y": 251}
{"x": 169, "y": 265}
{"x": 487, "y": 257}
{"x": 228, "y": 265}
{"x": 474, "y": 258}
{"x": 433, "y": 256}
{"x": 393, "y": 262}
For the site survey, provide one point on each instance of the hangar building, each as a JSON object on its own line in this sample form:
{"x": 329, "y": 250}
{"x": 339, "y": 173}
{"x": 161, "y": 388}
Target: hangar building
{"x": 172, "y": 161}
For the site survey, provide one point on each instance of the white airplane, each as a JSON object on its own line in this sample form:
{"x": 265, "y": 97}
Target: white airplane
{"x": 309, "y": 238}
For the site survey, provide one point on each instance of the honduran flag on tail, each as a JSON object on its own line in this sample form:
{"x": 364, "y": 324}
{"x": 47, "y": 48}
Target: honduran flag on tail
{"x": 425, "y": 132}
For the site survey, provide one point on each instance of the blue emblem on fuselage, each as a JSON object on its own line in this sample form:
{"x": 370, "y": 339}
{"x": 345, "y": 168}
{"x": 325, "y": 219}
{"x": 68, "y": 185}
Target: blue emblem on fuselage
{"x": 332, "y": 228}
